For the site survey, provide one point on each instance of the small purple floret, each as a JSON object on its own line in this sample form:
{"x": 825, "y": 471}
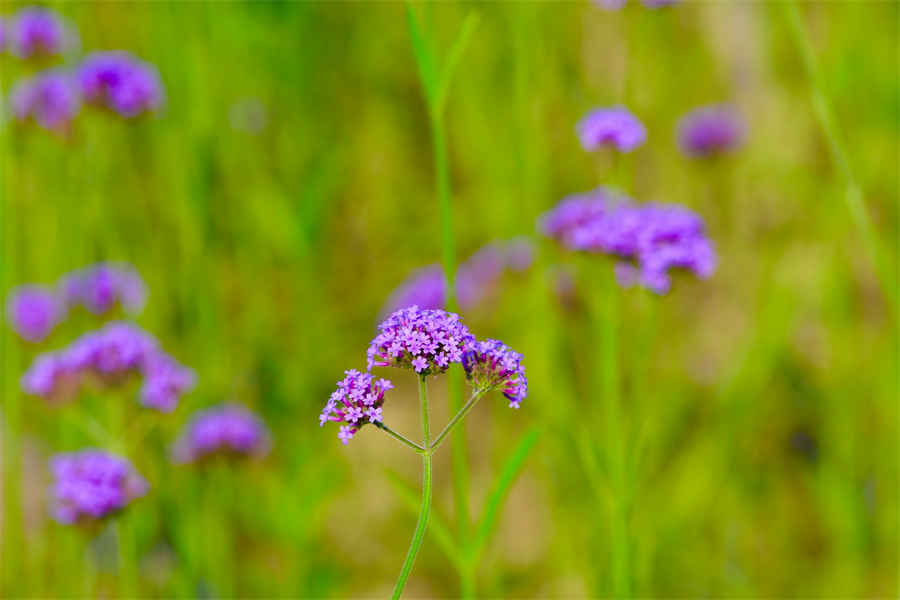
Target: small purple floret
{"x": 650, "y": 238}
{"x": 229, "y": 430}
{"x": 710, "y": 130}
{"x": 615, "y": 127}
{"x": 39, "y": 32}
{"x": 92, "y": 484}
{"x": 120, "y": 82}
{"x": 492, "y": 365}
{"x": 356, "y": 401}
{"x": 99, "y": 287}
{"x": 33, "y": 311}
{"x": 427, "y": 341}
{"x": 50, "y": 99}
{"x": 109, "y": 356}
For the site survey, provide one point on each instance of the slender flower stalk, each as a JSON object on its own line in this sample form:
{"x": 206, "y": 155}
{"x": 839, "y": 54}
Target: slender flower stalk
{"x": 425, "y": 511}
{"x": 401, "y": 438}
{"x": 476, "y": 396}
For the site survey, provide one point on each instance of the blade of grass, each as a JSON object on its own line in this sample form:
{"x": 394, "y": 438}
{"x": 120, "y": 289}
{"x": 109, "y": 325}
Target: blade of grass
{"x": 437, "y": 523}
{"x": 508, "y": 475}
{"x": 424, "y": 57}
{"x": 453, "y": 59}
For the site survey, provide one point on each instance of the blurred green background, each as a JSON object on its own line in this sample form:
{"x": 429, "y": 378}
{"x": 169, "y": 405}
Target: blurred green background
{"x": 287, "y": 188}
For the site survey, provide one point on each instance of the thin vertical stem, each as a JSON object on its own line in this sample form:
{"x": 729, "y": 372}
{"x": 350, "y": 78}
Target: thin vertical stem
{"x": 422, "y": 523}
{"x": 128, "y": 571}
{"x": 610, "y": 400}
{"x": 853, "y": 193}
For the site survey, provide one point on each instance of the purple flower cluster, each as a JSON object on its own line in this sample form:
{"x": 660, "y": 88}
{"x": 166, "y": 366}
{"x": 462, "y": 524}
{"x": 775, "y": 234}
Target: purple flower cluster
{"x": 34, "y": 32}
{"x": 356, "y": 401}
{"x": 710, "y": 130}
{"x": 475, "y": 278}
{"x": 92, "y": 484}
{"x": 50, "y": 99}
{"x": 98, "y": 287}
{"x": 652, "y": 238}
{"x": 33, "y": 311}
{"x": 427, "y": 341}
{"x": 615, "y": 127}
{"x": 120, "y": 82}
{"x": 109, "y": 356}
{"x": 492, "y": 365}
{"x": 229, "y": 429}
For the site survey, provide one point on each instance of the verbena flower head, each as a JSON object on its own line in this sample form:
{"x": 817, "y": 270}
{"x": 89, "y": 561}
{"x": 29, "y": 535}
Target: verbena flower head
{"x": 120, "y": 82}
{"x": 492, "y": 365}
{"x": 651, "y": 238}
{"x": 92, "y": 484}
{"x": 356, "y": 401}
{"x": 108, "y": 357}
{"x": 33, "y": 311}
{"x": 97, "y": 288}
{"x": 229, "y": 430}
{"x": 615, "y": 127}
{"x": 426, "y": 288}
{"x": 50, "y": 99}
{"x": 39, "y": 32}
{"x": 710, "y": 130}
{"x": 427, "y": 341}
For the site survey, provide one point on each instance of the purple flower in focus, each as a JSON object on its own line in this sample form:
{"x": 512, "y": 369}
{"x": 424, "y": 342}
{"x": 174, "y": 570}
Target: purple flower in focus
{"x": 92, "y": 484}
{"x": 650, "y": 238}
{"x": 50, "y": 99}
{"x": 97, "y": 288}
{"x": 356, "y": 401}
{"x": 120, "y": 82}
{"x": 39, "y": 32}
{"x": 710, "y": 130}
{"x": 33, "y": 311}
{"x": 611, "y": 127}
{"x": 109, "y": 356}
{"x": 229, "y": 429}
{"x": 426, "y": 341}
{"x": 492, "y": 365}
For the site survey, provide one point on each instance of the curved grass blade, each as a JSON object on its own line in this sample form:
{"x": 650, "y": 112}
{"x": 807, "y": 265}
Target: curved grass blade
{"x": 453, "y": 59}
{"x": 424, "y": 57}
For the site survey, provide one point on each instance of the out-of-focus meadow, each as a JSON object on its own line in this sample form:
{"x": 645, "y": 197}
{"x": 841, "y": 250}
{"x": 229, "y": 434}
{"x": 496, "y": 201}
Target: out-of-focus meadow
{"x": 287, "y": 186}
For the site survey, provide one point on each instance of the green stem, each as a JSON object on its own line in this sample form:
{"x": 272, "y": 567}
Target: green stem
{"x": 128, "y": 571}
{"x": 399, "y": 437}
{"x": 610, "y": 400}
{"x": 476, "y": 396}
{"x": 853, "y": 193}
{"x": 422, "y": 523}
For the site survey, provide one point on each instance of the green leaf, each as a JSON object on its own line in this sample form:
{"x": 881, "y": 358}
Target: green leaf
{"x": 453, "y": 59}
{"x": 411, "y": 498}
{"x": 508, "y": 475}
{"x": 424, "y": 57}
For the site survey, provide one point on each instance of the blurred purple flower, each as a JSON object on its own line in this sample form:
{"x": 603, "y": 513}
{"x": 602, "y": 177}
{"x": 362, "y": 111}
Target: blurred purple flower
{"x": 614, "y": 126}
{"x": 3, "y": 34}
{"x": 356, "y": 401}
{"x": 33, "y": 311}
{"x": 427, "y": 341}
{"x": 477, "y": 276}
{"x": 710, "y": 130}
{"x": 492, "y": 365}
{"x": 610, "y": 4}
{"x": 651, "y": 238}
{"x": 426, "y": 288}
{"x": 92, "y": 484}
{"x": 39, "y": 32}
{"x": 229, "y": 429}
{"x": 120, "y": 82}
{"x": 49, "y": 98}
{"x": 659, "y": 3}
{"x": 109, "y": 356}
{"x": 97, "y": 288}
